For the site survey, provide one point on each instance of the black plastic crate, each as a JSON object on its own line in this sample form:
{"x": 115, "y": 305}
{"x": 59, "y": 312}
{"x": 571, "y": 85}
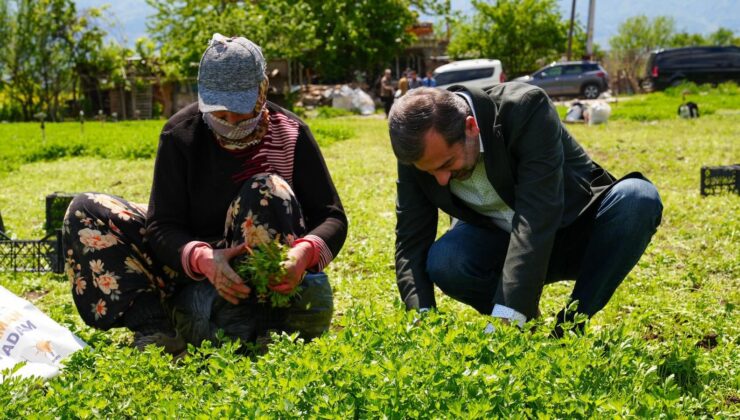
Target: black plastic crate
{"x": 720, "y": 179}
{"x": 22, "y": 256}
{"x": 56, "y": 206}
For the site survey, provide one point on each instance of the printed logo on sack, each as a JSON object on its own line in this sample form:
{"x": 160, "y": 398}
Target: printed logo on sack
{"x": 14, "y": 329}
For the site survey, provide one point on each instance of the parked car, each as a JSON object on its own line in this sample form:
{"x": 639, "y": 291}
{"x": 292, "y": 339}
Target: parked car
{"x": 671, "y": 67}
{"x": 586, "y": 79}
{"x": 478, "y": 72}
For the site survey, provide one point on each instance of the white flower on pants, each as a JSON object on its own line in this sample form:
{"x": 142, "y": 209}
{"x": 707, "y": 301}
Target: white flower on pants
{"x": 93, "y": 239}
{"x": 96, "y": 266}
{"x": 107, "y": 282}
{"x": 279, "y": 188}
{"x": 231, "y": 213}
{"x": 80, "y": 285}
{"x": 134, "y": 265}
{"x": 115, "y": 206}
{"x": 99, "y": 309}
{"x": 254, "y": 234}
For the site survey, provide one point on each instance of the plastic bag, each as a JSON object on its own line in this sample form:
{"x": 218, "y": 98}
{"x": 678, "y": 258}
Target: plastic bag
{"x": 350, "y": 99}
{"x": 340, "y": 98}
{"x": 598, "y": 113}
{"x": 199, "y": 312}
{"x": 28, "y": 335}
{"x": 362, "y": 102}
{"x": 575, "y": 113}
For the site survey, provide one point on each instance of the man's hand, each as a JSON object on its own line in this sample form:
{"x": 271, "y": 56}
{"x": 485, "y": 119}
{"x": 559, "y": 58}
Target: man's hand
{"x": 214, "y": 264}
{"x": 295, "y": 268}
{"x": 490, "y": 329}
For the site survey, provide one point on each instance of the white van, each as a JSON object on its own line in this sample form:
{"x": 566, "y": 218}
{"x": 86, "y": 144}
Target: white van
{"x": 479, "y": 72}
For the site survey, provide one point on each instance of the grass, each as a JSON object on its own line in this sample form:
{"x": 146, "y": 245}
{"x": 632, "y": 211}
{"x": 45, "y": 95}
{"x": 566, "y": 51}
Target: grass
{"x": 666, "y": 345}
{"x": 659, "y": 106}
{"x": 664, "y": 105}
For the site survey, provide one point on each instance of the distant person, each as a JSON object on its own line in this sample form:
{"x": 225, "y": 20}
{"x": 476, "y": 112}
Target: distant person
{"x": 414, "y": 81}
{"x": 530, "y": 206}
{"x": 403, "y": 85}
{"x": 387, "y": 91}
{"x": 429, "y": 80}
{"x": 232, "y": 170}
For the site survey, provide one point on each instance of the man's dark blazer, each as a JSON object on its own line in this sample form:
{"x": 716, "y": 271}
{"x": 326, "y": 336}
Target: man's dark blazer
{"x": 534, "y": 165}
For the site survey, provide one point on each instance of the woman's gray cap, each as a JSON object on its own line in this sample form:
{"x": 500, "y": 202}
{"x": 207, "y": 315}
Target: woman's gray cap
{"x": 229, "y": 75}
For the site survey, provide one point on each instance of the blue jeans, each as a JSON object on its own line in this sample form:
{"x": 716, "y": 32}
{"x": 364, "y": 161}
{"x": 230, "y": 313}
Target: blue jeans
{"x": 598, "y": 250}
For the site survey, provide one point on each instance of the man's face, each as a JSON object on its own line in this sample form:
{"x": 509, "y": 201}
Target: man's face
{"x": 450, "y": 162}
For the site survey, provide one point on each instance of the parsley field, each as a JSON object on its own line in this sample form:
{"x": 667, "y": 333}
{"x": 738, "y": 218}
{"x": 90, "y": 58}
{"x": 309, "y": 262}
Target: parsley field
{"x": 667, "y": 345}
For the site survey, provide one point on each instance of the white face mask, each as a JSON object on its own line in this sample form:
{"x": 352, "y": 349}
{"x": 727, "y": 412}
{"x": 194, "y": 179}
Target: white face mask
{"x": 232, "y": 131}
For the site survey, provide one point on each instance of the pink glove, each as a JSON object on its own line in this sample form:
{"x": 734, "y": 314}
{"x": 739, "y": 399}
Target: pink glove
{"x": 214, "y": 264}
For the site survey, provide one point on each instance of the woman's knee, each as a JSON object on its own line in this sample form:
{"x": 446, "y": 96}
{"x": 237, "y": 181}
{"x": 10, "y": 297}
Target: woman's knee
{"x": 264, "y": 209}
{"x": 266, "y": 185}
{"x": 101, "y": 206}
{"x": 80, "y": 204}
{"x": 264, "y": 193}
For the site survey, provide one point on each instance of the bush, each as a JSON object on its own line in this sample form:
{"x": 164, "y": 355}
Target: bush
{"x": 328, "y": 131}
{"x": 331, "y": 112}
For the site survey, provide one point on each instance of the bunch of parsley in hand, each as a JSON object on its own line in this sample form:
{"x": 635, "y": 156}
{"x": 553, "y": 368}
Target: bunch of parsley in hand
{"x": 262, "y": 267}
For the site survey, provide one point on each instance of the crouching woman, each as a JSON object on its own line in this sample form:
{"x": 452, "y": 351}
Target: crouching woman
{"x": 231, "y": 170}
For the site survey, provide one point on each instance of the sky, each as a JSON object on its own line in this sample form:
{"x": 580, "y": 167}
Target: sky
{"x": 693, "y": 16}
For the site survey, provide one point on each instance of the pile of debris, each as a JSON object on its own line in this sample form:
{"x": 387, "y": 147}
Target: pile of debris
{"x": 336, "y": 96}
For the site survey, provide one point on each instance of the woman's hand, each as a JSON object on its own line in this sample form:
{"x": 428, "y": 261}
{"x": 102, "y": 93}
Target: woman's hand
{"x": 295, "y": 267}
{"x": 214, "y": 264}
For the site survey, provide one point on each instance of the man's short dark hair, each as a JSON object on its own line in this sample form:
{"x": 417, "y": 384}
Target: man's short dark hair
{"x": 420, "y": 110}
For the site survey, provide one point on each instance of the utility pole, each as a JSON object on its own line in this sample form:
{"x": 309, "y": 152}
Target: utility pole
{"x": 570, "y": 32}
{"x": 590, "y": 30}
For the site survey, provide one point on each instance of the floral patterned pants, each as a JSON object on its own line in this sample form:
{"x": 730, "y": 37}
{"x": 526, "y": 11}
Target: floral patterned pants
{"x": 111, "y": 267}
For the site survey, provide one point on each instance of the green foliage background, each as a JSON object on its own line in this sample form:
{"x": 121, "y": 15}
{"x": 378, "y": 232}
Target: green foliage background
{"x": 667, "y": 345}
{"x": 522, "y": 34}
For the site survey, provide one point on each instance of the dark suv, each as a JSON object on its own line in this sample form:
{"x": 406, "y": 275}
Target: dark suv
{"x": 572, "y": 78}
{"x": 694, "y": 64}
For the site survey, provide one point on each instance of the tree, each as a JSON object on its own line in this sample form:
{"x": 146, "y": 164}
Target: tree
{"x": 522, "y": 34}
{"x": 5, "y": 33}
{"x": 102, "y": 68}
{"x": 685, "y": 39}
{"x": 359, "y": 35}
{"x": 17, "y": 80}
{"x": 723, "y": 36}
{"x": 182, "y": 29}
{"x": 637, "y": 37}
{"x": 335, "y": 37}
{"x": 44, "y": 41}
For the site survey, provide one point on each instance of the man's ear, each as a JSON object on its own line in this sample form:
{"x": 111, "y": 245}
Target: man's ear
{"x": 471, "y": 126}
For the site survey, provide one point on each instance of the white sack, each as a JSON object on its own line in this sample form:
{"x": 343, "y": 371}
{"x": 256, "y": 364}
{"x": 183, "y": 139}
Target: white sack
{"x": 28, "y": 335}
{"x": 362, "y": 102}
{"x": 598, "y": 113}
